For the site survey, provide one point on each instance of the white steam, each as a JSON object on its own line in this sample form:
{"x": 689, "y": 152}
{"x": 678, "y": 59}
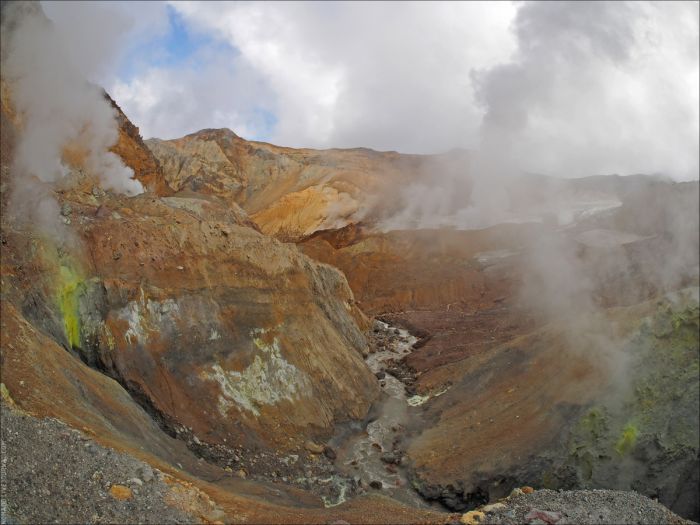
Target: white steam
{"x": 593, "y": 88}
{"x": 59, "y": 110}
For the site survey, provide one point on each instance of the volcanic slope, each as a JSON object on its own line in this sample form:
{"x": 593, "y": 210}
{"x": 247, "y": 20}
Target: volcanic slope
{"x": 498, "y": 364}
{"x": 170, "y": 328}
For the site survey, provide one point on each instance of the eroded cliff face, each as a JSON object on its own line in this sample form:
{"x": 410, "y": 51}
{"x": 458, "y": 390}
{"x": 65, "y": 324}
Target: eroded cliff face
{"x": 133, "y": 152}
{"x": 217, "y": 327}
{"x": 291, "y": 193}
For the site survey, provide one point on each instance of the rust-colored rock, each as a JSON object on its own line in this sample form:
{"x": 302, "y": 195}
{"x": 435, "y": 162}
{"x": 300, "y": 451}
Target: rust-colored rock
{"x": 134, "y": 154}
{"x": 291, "y": 193}
{"x": 120, "y": 492}
{"x": 473, "y": 517}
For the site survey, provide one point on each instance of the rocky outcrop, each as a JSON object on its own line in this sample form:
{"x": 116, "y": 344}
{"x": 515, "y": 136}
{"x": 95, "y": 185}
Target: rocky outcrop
{"x": 416, "y": 269}
{"x": 290, "y": 193}
{"x": 212, "y": 325}
{"x": 133, "y": 152}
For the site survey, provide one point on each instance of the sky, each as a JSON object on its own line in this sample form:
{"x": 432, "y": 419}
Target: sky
{"x": 566, "y": 89}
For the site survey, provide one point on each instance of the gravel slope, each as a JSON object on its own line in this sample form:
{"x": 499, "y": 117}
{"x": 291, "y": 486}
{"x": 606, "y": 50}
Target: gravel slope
{"x": 54, "y": 474}
{"x": 580, "y": 507}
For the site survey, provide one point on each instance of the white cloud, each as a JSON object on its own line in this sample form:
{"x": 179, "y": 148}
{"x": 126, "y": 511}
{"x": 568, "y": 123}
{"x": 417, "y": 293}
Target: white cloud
{"x": 171, "y": 102}
{"x": 597, "y": 87}
{"x": 372, "y": 74}
{"x": 567, "y": 88}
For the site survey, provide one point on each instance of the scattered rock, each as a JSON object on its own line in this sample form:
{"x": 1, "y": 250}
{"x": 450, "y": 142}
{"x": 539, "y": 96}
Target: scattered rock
{"x": 66, "y": 209}
{"x": 146, "y": 473}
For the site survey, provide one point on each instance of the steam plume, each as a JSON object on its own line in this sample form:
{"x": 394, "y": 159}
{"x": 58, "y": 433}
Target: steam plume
{"x": 59, "y": 110}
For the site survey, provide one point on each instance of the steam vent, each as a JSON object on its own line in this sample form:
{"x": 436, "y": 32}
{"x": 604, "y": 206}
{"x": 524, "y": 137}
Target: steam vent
{"x": 350, "y": 263}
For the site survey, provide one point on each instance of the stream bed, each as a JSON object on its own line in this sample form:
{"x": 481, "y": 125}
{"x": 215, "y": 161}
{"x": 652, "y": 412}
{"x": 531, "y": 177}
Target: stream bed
{"x": 369, "y": 455}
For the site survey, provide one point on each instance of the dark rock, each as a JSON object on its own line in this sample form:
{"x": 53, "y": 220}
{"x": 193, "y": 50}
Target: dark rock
{"x": 329, "y": 453}
{"x": 376, "y": 484}
{"x": 102, "y": 211}
{"x": 380, "y": 375}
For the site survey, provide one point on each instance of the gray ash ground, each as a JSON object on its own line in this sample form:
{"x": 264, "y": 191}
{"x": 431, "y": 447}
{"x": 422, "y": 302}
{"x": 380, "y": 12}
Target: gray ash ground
{"x": 580, "y": 507}
{"x": 54, "y": 474}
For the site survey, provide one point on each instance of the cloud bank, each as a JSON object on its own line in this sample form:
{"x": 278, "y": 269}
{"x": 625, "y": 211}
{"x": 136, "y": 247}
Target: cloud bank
{"x": 562, "y": 88}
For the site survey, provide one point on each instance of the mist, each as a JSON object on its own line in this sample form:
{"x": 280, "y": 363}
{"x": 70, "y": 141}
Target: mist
{"x": 66, "y": 125}
{"x": 594, "y": 88}
{"x": 590, "y": 90}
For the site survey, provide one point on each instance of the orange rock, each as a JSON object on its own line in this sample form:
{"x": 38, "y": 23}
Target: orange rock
{"x": 120, "y": 492}
{"x": 473, "y": 517}
{"x": 527, "y": 490}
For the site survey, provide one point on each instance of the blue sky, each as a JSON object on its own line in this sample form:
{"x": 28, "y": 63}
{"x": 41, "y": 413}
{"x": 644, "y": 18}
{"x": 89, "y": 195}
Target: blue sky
{"x": 166, "y": 50}
{"x": 177, "y": 46}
